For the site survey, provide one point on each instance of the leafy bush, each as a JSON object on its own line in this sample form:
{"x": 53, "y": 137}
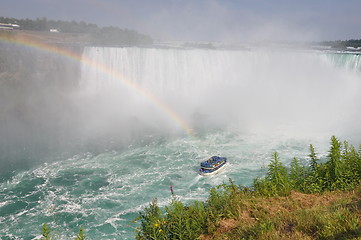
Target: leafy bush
{"x": 46, "y": 233}
{"x": 277, "y": 180}
{"x": 269, "y": 209}
{"x": 255, "y": 211}
{"x": 179, "y": 222}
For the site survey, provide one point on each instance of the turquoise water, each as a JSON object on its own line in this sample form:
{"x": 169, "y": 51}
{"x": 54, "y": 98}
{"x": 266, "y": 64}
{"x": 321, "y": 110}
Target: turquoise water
{"x": 123, "y": 148}
{"x": 105, "y": 192}
{"x": 343, "y": 60}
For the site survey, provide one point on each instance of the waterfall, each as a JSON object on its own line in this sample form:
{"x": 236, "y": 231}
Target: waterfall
{"x": 116, "y": 96}
{"x": 253, "y": 90}
{"x": 350, "y": 61}
{"x": 111, "y": 126}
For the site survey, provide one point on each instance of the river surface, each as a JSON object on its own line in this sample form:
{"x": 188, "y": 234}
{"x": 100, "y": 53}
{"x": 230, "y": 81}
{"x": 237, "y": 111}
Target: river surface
{"x": 142, "y": 120}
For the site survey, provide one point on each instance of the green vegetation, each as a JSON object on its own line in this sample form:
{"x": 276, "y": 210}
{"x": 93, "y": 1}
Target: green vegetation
{"x": 355, "y": 43}
{"x": 94, "y": 34}
{"x": 47, "y": 234}
{"x": 319, "y": 201}
{"x": 81, "y": 235}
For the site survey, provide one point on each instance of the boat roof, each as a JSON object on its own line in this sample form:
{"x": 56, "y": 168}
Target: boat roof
{"x": 212, "y": 161}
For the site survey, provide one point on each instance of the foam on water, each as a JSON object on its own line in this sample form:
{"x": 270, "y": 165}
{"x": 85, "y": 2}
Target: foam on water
{"x": 104, "y": 192}
{"x": 244, "y": 105}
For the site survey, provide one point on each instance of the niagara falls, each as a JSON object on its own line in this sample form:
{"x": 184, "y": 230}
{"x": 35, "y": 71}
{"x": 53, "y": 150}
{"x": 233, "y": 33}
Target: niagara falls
{"x": 242, "y": 104}
{"x": 104, "y": 129}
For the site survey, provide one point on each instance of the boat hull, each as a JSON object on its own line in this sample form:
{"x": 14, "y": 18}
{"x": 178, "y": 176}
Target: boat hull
{"x": 212, "y": 172}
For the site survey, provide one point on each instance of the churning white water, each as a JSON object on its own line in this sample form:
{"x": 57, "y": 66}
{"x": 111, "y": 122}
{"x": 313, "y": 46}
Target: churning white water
{"x": 243, "y": 105}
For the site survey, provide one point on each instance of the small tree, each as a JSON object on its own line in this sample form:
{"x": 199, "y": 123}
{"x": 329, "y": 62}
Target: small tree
{"x": 45, "y": 232}
{"x": 313, "y": 159}
{"x": 81, "y": 235}
{"x": 297, "y": 175}
{"x": 277, "y": 175}
{"x": 334, "y": 163}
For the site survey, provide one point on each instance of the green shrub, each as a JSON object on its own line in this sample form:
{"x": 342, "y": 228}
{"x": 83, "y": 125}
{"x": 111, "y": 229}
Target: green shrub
{"x": 81, "y": 235}
{"x": 341, "y": 170}
{"x": 46, "y": 232}
{"x": 276, "y": 182}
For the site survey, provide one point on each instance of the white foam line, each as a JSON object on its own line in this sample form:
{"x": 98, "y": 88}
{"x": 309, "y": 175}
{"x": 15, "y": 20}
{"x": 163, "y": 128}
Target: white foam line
{"x": 4, "y": 203}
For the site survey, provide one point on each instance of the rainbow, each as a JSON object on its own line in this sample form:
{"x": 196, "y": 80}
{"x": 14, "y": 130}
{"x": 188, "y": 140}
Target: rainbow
{"x": 39, "y": 45}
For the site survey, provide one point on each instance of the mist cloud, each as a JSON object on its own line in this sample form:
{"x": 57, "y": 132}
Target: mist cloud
{"x": 212, "y": 20}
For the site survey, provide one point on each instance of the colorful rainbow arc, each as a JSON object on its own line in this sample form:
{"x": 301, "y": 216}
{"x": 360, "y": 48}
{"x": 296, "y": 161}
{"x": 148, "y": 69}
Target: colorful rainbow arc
{"x": 38, "y": 45}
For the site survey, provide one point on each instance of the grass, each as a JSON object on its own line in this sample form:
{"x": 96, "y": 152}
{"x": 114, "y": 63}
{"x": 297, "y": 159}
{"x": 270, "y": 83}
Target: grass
{"x": 319, "y": 201}
{"x": 331, "y": 215}
{"x": 241, "y": 214}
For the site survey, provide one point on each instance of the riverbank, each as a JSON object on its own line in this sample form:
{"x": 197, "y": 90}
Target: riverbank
{"x": 318, "y": 201}
{"x": 47, "y": 37}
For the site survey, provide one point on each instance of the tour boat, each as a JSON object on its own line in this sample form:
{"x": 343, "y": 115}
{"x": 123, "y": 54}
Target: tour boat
{"x": 212, "y": 166}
